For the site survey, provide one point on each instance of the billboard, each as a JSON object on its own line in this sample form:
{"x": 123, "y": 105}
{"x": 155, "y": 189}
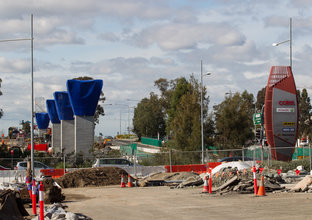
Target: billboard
{"x": 281, "y": 113}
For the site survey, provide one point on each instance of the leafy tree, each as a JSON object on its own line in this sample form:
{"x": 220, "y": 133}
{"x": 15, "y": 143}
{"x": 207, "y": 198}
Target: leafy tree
{"x": 304, "y": 103}
{"x": 186, "y": 123}
{"x": 181, "y": 88}
{"x": 26, "y": 128}
{"x": 234, "y": 120}
{"x": 180, "y": 107}
{"x": 99, "y": 109}
{"x": 1, "y": 111}
{"x": 149, "y": 117}
{"x": 260, "y": 99}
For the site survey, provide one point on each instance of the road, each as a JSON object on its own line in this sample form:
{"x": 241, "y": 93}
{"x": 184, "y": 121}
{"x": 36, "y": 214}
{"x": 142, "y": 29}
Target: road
{"x": 114, "y": 202}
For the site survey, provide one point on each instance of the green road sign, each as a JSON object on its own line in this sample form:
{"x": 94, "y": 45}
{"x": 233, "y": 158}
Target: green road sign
{"x": 257, "y": 118}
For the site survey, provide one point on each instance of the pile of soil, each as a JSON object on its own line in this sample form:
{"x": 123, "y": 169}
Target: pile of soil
{"x": 52, "y": 193}
{"x": 11, "y": 205}
{"x": 102, "y": 176}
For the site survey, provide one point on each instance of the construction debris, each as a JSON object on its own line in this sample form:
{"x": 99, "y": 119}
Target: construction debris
{"x": 179, "y": 179}
{"x": 241, "y": 181}
{"x": 11, "y": 205}
{"x": 304, "y": 185}
{"x": 52, "y": 191}
{"x": 57, "y": 211}
{"x": 102, "y": 176}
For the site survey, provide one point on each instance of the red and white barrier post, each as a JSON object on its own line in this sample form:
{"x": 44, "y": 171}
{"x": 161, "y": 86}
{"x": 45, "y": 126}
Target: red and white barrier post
{"x": 28, "y": 185}
{"x": 34, "y": 203}
{"x": 255, "y": 180}
{"x": 41, "y": 203}
{"x": 210, "y": 181}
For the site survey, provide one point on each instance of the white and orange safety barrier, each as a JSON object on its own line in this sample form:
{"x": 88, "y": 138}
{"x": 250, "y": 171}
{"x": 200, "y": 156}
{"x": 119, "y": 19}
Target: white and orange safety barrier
{"x": 205, "y": 189}
{"x": 33, "y": 198}
{"x": 122, "y": 181}
{"x": 255, "y": 180}
{"x": 210, "y": 180}
{"x": 28, "y": 185}
{"x": 129, "y": 181}
{"x": 41, "y": 202}
{"x": 261, "y": 191}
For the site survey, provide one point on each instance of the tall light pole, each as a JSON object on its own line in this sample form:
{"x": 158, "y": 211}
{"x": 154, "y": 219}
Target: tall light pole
{"x": 201, "y": 108}
{"x": 128, "y": 117}
{"x": 31, "y": 39}
{"x": 290, "y": 42}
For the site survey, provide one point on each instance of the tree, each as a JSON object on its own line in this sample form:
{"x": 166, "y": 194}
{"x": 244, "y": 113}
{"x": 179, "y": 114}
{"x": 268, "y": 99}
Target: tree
{"x": 149, "y": 117}
{"x": 1, "y": 111}
{"x": 99, "y": 109}
{"x": 186, "y": 120}
{"x": 26, "y": 128}
{"x": 234, "y": 120}
{"x": 304, "y": 106}
{"x": 179, "y": 90}
{"x": 260, "y": 99}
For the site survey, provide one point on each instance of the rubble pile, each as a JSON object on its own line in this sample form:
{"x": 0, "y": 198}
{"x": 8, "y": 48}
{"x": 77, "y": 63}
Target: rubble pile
{"x": 98, "y": 145}
{"x": 102, "y": 176}
{"x": 305, "y": 185}
{"x": 11, "y": 205}
{"x": 179, "y": 179}
{"x": 52, "y": 191}
{"x": 57, "y": 211}
{"x": 241, "y": 181}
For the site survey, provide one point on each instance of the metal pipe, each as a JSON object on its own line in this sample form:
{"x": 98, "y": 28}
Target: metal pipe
{"x": 290, "y": 42}
{"x": 32, "y": 97}
{"x": 201, "y": 110}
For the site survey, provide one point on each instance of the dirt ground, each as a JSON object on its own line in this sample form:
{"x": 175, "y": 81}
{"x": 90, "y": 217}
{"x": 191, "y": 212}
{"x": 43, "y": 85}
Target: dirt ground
{"x": 113, "y": 202}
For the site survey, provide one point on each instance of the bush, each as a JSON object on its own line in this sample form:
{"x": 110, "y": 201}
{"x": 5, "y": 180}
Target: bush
{"x": 291, "y": 165}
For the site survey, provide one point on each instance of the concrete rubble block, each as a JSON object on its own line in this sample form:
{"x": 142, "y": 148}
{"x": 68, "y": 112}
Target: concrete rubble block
{"x": 191, "y": 181}
{"x": 57, "y": 211}
{"x": 303, "y": 185}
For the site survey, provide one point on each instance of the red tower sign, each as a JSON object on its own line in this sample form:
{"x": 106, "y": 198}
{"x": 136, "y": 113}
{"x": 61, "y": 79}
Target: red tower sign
{"x": 281, "y": 113}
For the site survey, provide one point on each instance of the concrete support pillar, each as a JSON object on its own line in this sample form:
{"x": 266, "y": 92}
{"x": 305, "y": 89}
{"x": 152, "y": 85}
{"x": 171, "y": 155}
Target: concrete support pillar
{"x": 56, "y": 137}
{"x": 84, "y": 134}
{"x": 67, "y": 136}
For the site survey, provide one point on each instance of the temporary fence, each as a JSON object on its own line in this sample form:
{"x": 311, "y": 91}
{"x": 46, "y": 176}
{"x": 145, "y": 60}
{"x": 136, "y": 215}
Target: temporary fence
{"x": 163, "y": 161}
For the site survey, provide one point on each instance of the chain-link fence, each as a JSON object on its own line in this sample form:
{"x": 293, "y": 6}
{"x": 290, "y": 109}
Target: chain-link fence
{"x": 162, "y": 157}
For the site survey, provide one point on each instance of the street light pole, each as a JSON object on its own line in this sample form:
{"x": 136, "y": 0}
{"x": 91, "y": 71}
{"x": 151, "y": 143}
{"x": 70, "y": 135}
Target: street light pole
{"x": 32, "y": 97}
{"x": 32, "y": 88}
{"x": 201, "y": 109}
{"x": 290, "y": 42}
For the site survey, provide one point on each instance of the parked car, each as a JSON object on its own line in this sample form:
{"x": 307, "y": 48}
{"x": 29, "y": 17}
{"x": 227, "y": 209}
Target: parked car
{"x": 38, "y": 165}
{"x": 4, "y": 168}
{"x": 113, "y": 162}
{"x": 235, "y": 158}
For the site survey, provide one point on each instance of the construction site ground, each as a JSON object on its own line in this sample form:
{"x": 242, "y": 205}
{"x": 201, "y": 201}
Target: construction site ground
{"x": 113, "y": 202}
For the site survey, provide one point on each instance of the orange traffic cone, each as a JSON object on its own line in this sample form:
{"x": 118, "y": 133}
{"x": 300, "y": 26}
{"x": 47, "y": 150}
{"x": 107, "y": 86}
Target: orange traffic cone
{"x": 122, "y": 181}
{"x": 205, "y": 189}
{"x": 261, "y": 191}
{"x": 129, "y": 181}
